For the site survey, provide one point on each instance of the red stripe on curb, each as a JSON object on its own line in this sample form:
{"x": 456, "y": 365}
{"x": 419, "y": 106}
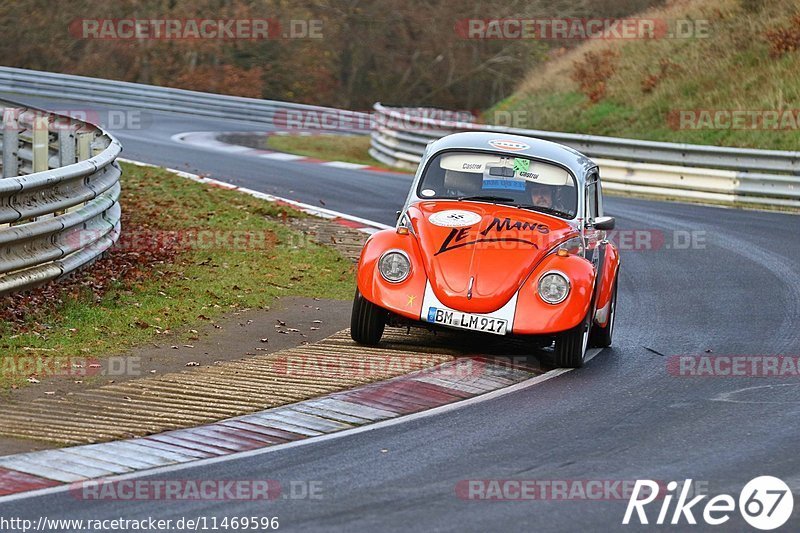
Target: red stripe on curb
{"x": 12, "y": 482}
{"x": 278, "y": 434}
{"x": 411, "y": 393}
{"x": 384, "y": 398}
{"x": 437, "y": 393}
{"x": 458, "y": 394}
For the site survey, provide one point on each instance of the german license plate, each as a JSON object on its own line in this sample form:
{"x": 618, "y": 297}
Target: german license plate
{"x": 457, "y": 319}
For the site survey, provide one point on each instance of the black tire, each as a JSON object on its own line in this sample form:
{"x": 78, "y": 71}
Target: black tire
{"x": 570, "y": 346}
{"x": 367, "y": 321}
{"x": 601, "y": 336}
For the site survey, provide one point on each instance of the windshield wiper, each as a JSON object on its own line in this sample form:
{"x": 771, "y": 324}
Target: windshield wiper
{"x": 502, "y": 199}
{"x": 543, "y": 209}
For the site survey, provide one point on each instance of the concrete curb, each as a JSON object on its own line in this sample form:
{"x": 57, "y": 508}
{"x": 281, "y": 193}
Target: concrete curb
{"x": 209, "y": 140}
{"x": 443, "y": 384}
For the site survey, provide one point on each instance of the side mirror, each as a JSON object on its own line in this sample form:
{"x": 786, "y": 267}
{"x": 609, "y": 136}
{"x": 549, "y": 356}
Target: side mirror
{"x": 397, "y": 215}
{"x": 604, "y": 223}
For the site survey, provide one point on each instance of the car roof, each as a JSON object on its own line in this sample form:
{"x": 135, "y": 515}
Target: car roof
{"x": 575, "y": 161}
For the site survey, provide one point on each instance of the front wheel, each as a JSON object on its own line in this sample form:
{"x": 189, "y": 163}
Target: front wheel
{"x": 367, "y": 321}
{"x": 570, "y": 347}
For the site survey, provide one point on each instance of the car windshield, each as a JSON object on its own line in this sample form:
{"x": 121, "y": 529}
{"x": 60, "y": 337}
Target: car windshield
{"x": 500, "y": 178}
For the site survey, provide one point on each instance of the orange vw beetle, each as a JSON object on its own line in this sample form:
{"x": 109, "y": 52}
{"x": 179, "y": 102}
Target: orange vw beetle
{"x": 500, "y": 234}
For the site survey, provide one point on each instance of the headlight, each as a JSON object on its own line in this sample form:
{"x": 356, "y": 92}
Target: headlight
{"x": 553, "y": 287}
{"x": 394, "y": 266}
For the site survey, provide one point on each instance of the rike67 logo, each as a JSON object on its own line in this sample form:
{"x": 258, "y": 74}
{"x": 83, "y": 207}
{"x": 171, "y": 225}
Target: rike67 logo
{"x": 765, "y": 503}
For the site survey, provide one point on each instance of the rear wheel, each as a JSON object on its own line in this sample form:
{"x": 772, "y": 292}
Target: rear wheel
{"x": 570, "y": 347}
{"x": 601, "y": 336}
{"x": 366, "y": 321}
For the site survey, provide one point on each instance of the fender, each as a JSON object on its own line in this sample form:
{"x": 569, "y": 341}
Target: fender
{"x": 404, "y": 298}
{"x": 535, "y": 316}
{"x": 605, "y": 281}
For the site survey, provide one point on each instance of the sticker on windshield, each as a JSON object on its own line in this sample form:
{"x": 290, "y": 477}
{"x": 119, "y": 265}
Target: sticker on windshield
{"x": 521, "y": 164}
{"x": 503, "y": 184}
{"x": 454, "y": 218}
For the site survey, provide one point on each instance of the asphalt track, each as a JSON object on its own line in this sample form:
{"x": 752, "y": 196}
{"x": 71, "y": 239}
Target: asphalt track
{"x": 623, "y": 416}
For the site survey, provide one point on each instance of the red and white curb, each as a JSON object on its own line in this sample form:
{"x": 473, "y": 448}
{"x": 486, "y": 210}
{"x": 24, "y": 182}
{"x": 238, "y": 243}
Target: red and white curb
{"x": 353, "y": 222}
{"x": 439, "y": 386}
{"x": 208, "y": 140}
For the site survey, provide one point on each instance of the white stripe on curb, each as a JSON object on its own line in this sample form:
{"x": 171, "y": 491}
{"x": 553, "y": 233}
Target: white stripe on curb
{"x": 344, "y": 164}
{"x": 281, "y": 156}
{"x": 370, "y": 226}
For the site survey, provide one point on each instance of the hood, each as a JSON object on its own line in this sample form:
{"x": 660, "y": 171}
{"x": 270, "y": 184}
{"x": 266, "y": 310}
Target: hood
{"x": 487, "y": 248}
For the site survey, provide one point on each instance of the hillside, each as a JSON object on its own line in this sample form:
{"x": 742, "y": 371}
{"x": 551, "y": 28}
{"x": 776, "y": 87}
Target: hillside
{"x": 736, "y": 84}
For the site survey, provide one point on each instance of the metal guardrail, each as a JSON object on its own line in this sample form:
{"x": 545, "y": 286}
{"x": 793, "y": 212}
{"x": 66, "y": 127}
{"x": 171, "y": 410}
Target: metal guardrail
{"x": 59, "y": 196}
{"x": 705, "y": 173}
{"x": 128, "y": 96}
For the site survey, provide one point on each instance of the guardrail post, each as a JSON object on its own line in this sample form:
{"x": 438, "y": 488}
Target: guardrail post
{"x": 99, "y": 144}
{"x": 41, "y": 143}
{"x": 11, "y": 141}
{"x": 67, "y": 147}
{"x": 85, "y": 145}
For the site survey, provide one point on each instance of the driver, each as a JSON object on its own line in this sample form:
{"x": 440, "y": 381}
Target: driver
{"x": 542, "y": 195}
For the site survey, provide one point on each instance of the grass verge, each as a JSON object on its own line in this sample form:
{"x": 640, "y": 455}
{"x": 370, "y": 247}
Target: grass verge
{"x": 347, "y": 148}
{"x": 189, "y": 252}
{"x": 734, "y": 80}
